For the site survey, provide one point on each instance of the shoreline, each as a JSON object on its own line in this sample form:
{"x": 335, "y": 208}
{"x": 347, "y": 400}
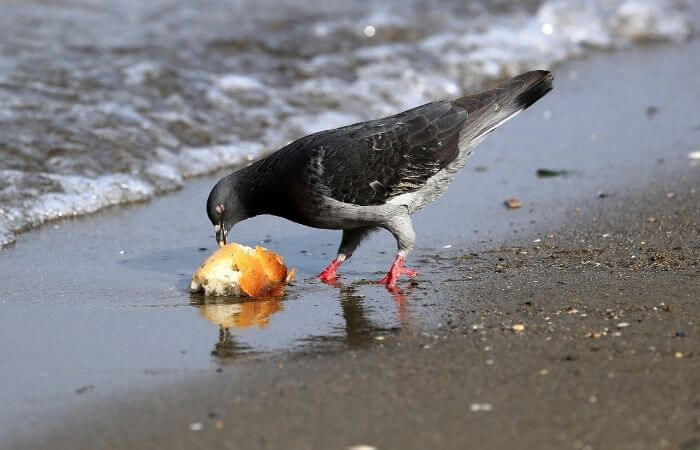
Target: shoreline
{"x": 75, "y": 304}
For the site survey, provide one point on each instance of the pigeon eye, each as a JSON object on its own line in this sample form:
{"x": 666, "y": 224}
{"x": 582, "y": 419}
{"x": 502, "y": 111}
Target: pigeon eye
{"x": 219, "y": 209}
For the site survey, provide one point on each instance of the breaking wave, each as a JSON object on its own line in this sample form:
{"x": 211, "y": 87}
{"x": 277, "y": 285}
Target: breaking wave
{"x": 103, "y": 103}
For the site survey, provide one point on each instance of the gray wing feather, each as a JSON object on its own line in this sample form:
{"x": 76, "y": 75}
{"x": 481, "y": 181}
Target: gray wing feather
{"x": 371, "y": 162}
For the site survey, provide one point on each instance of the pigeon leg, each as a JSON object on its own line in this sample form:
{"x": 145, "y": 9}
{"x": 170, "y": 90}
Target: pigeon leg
{"x": 351, "y": 240}
{"x": 397, "y": 269}
{"x": 329, "y": 274}
{"x": 405, "y": 238}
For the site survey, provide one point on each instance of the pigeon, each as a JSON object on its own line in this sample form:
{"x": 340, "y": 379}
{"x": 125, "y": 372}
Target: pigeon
{"x": 371, "y": 175}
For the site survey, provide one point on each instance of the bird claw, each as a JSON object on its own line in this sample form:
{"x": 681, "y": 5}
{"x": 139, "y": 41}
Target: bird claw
{"x": 330, "y": 279}
{"x": 397, "y": 269}
{"x": 410, "y": 272}
{"x": 329, "y": 275}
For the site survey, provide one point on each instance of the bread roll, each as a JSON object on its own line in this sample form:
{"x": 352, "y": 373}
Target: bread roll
{"x": 235, "y": 269}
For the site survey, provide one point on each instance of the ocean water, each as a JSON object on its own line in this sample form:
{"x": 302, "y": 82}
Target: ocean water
{"x": 103, "y": 103}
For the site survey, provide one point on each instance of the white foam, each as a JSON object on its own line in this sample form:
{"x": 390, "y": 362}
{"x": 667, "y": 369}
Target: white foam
{"x": 139, "y": 72}
{"x": 76, "y": 195}
{"x": 198, "y": 161}
{"x": 646, "y": 20}
{"x": 237, "y": 82}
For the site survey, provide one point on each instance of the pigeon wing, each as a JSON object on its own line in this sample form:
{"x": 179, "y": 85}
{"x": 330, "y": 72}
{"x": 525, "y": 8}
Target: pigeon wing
{"x": 371, "y": 162}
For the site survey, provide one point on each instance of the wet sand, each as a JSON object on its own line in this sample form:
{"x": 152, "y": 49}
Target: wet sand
{"x": 104, "y": 347}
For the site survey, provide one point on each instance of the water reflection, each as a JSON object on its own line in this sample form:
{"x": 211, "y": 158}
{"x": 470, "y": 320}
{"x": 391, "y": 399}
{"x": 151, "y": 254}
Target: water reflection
{"x": 359, "y": 328}
{"x": 241, "y": 315}
{"x": 306, "y": 322}
{"x": 227, "y": 347}
{"x": 235, "y": 314}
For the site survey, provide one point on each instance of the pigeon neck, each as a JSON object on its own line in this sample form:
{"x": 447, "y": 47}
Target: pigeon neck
{"x": 258, "y": 190}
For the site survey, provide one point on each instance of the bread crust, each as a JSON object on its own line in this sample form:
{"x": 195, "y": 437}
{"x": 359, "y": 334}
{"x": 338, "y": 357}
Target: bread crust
{"x": 235, "y": 269}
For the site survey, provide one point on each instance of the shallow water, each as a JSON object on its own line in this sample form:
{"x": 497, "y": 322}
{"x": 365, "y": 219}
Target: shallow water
{"x": 108, "y": 103}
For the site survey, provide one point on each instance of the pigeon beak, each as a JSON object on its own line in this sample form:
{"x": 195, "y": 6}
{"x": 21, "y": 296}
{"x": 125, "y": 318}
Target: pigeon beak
{"x": 220, "y": 232}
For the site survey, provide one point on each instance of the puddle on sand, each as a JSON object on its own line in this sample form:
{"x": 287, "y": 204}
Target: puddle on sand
{"x": 254, "y": 327}
{"x": 104, "y": 302}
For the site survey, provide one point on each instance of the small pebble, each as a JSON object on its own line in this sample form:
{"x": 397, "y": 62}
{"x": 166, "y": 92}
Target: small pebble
{"x": 518, "y": 327}
{"x": 623, "y": 325}
{"x": 219, "y": 424}
{"x": 513, "y": 203}
{"x": 678, "y": 355}
{"x": 478, "y": 407}
{"x": 196, "y": 426}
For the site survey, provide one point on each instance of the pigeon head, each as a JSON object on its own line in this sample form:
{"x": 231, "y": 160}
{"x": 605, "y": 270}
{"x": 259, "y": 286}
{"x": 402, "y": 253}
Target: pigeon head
{"x": 225, "y": 208}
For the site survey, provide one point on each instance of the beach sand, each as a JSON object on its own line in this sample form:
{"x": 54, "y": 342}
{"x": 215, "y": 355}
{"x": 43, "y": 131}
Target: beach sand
{"x": 571, "y": 322}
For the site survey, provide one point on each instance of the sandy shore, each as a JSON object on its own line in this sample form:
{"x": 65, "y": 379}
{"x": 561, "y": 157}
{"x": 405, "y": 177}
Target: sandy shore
{"x": 104, "y": 347}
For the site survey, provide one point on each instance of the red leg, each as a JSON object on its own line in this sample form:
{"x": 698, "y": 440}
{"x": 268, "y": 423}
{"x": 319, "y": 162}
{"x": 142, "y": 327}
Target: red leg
{"x": 329, "y": 275}
{"x": 397, "y": 269}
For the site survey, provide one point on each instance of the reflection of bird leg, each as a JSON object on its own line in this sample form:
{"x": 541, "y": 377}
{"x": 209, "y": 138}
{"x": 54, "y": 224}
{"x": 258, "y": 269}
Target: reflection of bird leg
{"x": 224, "y": 336}
{"x": 400, "y": 300}
{"x": 226, "y": 347}
{"x": 400, "y": 297}
{"x": 357, "y": 324}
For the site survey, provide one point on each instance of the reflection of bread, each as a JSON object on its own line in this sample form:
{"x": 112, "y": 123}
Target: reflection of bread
{"x": 241, "y": 315}
{"x": 240, "y": 270}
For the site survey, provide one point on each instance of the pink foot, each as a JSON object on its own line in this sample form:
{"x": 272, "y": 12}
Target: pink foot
{"x": 397, "y": 269}
{"x": 329, "y": 276}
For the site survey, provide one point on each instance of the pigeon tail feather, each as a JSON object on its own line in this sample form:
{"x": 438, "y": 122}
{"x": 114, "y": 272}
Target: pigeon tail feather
{"x": 540, "y": 86}
{"x": 489, "y": 109}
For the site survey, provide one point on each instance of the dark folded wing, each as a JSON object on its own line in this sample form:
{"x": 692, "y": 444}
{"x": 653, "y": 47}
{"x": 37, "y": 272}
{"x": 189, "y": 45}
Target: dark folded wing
{"x": 371, "y": 162}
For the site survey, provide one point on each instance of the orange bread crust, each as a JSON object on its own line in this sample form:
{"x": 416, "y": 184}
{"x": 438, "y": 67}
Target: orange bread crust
{"x": 262, "y": 272}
